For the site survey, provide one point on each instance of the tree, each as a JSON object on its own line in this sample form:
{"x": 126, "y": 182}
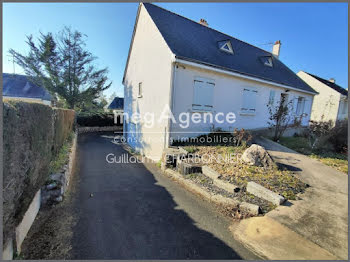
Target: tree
{"x": 64, "y": 67}
{"x": 280, "y": 117}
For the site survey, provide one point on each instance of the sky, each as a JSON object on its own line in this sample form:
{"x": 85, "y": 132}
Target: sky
{"x": 314, "y": 36}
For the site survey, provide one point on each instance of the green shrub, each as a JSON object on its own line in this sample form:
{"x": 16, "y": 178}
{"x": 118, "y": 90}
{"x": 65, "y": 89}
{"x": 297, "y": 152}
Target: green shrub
{"x": 96, "y": 119}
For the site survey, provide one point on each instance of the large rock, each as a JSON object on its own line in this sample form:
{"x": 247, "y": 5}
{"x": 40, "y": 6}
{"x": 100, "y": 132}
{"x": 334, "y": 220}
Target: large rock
{"x": 256, "y": 155}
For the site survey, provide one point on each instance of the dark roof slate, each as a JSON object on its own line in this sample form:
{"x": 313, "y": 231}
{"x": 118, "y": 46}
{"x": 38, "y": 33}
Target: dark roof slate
{"x": 15, "y": 85}
{"x": 331, "y": 84}
{"x": 192, "y": 41}
{"x": 117, "y": 103}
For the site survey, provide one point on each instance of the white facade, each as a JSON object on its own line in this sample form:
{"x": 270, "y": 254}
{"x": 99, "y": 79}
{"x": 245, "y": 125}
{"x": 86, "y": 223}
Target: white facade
{"x": 228, "y": 95}
{"x": 328, "y": 104}
{"x": 155, "y": 80}
{"x": 149, "y": 69}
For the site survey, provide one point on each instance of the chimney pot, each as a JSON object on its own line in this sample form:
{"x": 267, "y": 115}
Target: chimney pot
{"x": 332, "y": 80}
{"x": 276, "y": 48}
{"x": 203, "y": 22}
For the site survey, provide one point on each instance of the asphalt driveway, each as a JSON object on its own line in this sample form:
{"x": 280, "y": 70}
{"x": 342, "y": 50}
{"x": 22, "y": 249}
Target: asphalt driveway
{"x": 131, "y": 211}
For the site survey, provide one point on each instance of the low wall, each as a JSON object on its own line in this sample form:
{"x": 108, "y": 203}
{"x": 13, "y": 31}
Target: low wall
{"x": 33, "y": 134}
{"x": 86, "y": 129}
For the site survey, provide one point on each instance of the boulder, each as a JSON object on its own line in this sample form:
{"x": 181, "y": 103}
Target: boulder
{"x": 256, "y": 155}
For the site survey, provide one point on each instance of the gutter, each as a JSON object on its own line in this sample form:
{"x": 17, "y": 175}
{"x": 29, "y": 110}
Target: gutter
{"x": 216, "y": 69}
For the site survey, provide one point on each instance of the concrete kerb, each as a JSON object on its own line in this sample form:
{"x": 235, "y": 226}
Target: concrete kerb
{"x": 229, "y": 187}
{"x": 264, "y": 193}
{"x": 193, "y": 187}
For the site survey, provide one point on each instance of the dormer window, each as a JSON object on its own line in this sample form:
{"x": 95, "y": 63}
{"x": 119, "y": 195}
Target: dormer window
{"x": 225, "y": 46}
{"x": 267, "y": 60}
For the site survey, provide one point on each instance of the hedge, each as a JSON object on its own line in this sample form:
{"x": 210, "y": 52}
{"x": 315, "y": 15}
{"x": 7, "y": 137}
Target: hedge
{"x": 97, "y": 119}
{"x": 33, "y": 134}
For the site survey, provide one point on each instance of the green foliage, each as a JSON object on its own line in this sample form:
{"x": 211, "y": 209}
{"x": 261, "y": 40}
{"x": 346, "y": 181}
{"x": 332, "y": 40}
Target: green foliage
{"x": 64, "y": 67}
{"x": 62, "y": 157}
{"x": 96, "y": 119}
{"x": 191, "y": 149}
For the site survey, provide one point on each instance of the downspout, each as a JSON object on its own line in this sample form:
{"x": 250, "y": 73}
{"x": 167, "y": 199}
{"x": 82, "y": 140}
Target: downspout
{"x": 171, "y": 97}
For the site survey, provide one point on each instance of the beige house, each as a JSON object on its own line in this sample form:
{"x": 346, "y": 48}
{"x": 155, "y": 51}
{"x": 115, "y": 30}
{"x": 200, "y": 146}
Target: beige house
{"x": 331, "y": 102}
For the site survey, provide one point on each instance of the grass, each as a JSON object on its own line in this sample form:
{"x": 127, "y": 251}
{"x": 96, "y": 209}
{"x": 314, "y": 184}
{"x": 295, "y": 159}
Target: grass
{"x": 191, "y": 149}
{"x": 301, "y": 145}
{"x": 62, "y": 157}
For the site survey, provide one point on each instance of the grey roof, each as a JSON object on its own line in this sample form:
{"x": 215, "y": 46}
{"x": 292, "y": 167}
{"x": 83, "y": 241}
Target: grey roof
{"x": 20, "y": 86}
{"x": 117, "y": 103}
{"x": 192, "y": 41}
{"x": 330, "y": 84}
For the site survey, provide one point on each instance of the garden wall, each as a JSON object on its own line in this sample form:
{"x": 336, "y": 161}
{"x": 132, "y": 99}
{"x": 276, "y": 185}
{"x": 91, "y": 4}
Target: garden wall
{"x": 33, "y": 133}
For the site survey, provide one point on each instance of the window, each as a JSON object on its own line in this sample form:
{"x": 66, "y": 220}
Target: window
{"x": 139, "y": 90}
{"x": 266, "y": 60}
{"x": 300, "y": 106}
{"x": 284, "y": 99}
{"x": 226, "y": 46}
{"x": 271, "y": 97}
{"x": 249, "y": 101}
{"x": 343, "y": 107}
{"x": 203, "y": 94}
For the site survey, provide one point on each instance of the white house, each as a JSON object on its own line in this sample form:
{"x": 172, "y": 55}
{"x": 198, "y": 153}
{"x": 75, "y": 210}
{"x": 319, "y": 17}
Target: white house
{"x": 191, "y": 68}
{"x": 331, "y": 102}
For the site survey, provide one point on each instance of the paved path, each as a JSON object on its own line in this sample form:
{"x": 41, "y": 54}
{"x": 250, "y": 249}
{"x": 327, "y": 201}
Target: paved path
{"x": 322, "y": 214}
{"x": 138, "y": 214}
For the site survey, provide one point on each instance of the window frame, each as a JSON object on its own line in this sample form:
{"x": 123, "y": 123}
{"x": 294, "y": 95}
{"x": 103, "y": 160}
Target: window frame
{"x": 139, "y": 90}
{"x": 271, "y": 100}
{"x": 204, "y": 107}
{"x": 302, "y": 101}
{"x": 249, "y": 111}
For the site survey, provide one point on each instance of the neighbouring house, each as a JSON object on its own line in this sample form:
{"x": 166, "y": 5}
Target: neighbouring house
{"x": 117, "y": 105}
{"x": 19, "y": 87}
{"x": 185, "y": 66}
{"x": 331, "y": 102}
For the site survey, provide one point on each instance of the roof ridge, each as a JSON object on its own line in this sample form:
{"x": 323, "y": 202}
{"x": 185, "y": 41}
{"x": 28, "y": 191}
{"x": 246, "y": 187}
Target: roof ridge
{"x": 324, "y": 80}
{"x": 208, "y": 27}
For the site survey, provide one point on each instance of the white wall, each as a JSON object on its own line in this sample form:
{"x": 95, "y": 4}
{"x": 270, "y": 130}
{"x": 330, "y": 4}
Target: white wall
{"x": 227, "y": 97}
{"x": 149, "y": 63}
{"x": 326, "y": 103}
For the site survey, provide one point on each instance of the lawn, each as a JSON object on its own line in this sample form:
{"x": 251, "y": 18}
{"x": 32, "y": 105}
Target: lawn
{"x": 301, "y": 145}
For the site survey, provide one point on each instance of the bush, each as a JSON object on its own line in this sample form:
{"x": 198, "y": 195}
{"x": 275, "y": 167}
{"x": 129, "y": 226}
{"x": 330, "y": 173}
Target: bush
{"x": 97, "y": 119}
{"x": 324, "y": 136}
{"x": 339, "y": 137}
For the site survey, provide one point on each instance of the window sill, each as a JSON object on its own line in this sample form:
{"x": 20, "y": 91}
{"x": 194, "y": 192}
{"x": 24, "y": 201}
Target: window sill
{"x": 247, "y": 113}
{"x": 200, "y": 111}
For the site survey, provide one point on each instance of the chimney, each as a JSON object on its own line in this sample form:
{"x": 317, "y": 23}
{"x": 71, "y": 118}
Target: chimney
{"x": 203, "y": 22}
{"x": 276, "y": 48}
{"x": 332, "y": 80}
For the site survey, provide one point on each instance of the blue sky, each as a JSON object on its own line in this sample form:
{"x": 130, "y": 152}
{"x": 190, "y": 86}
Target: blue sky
{"x": 314, "y": 36}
